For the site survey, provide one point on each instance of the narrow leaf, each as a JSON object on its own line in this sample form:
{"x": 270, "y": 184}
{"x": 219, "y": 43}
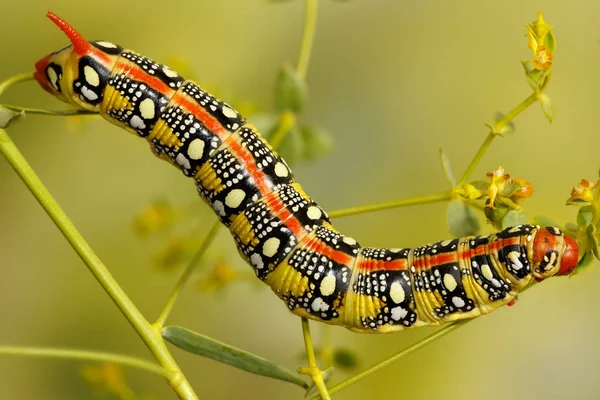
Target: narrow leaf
{"x": 447, "y": 168}
{"x": 317, "y": 142}
{"x": 585, "y": 216}
{"x": 584, "y": 264}
{"x": 590, "y": 233}
{"x": 8, "y": 117}
{"x": 292, "y": 148}
{"x": 202, "y": 345}
{"x": 290, "y": 91}
{"x": 548, "y": 107}
{"x": 461, "y": 220}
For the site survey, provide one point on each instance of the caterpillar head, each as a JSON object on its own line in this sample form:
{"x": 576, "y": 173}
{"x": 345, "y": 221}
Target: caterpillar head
{"x": 78, "y": 73}
{"x": 554, "y": 253}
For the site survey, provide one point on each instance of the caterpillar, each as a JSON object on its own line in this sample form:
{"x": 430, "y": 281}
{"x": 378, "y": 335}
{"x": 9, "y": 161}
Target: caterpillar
{"x": 278, "y": 229}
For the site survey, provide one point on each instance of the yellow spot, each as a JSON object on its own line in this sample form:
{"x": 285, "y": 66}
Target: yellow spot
{"x": 169, "y": 72}
{"x": 397, "y": 292}
{"x": 53, "y": 77}
{"x": 281, "y": 170}
{"x": 235, "y": 198}
{"x": 228, "y": 112}
{"x": 487, "y": 272}
{"x": 91, "y": 76}
{"x": 450, "y": 282}
{"x": 147, "y": 108}
{"x": 314, "y": 213}
{"x": 108, "y": 45}
{"x": 271, "y": 246}
{"x": 327, "y": 285}
{"x": 196, "y": 149}
{"x": 349, "y": 240}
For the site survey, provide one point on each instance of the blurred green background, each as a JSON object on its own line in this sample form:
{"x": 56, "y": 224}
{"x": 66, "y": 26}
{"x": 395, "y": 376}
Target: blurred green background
{"x": 392, "y": 81}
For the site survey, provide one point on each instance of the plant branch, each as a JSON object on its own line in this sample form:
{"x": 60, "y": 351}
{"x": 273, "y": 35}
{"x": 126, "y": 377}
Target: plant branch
{"x": 495, "y": 132}
{"x": 403, "y": 353}
{"x": 310, "y": 22}
{"x": 187, "y": 273}
{"x": 433, "y": 198}
{"x": 313, "y": 369}
{"x": 85, "y": 355}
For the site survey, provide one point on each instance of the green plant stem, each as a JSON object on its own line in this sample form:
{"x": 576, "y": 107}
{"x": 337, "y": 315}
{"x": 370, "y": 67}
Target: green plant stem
{"x": 85, "y": 355}
{"x": 187, "y": 273}
{"x": 58, "y": 113}
{"x": 151, "y": 338}
{"x": 313, "y": 369}
{"x": 287, "y": 120}
{"x": 432, "y": 198}
{"x": 403, "y": 353}
{"x": 310, "y": 23}
{"x": 495, "y": 131}
{"x": 13, "y": 80}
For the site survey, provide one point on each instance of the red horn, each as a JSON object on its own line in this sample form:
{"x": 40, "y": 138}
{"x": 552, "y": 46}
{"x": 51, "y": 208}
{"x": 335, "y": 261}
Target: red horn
{"x": 80, "y": 45}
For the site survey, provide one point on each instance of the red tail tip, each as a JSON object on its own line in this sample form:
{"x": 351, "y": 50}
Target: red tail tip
{"x": 80, "y": 45}
{"x": 570, "y": 257}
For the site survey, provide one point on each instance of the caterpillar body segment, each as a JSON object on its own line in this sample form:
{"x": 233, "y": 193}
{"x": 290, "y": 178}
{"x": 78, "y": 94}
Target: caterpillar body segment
{"x": 278, "y": 229}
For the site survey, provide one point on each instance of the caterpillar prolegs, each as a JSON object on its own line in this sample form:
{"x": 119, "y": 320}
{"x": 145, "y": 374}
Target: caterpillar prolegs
{"x": 278, "y": 229}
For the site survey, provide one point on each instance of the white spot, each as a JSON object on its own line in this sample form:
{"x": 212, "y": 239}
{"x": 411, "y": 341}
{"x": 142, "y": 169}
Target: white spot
{"x": 349, "y": 240}
{"x": 446, "y": 242}
{"x": 53, "y": 77}
{"x": 513, "y": 256}
{"x": 257, "y": 261}
{"x": 397, "y": 292}
{"x": 169, "y": 72}
{"x": 90, "y": 95}
{"x": 450, "y": 282}
{"x": 551, "y": 261}
{"x": 487, "y": 272}
{"x": 108, "y": 45}
{"x": 281, "y": 170}
{"x": 195, "y": 149}
{"x": 319, "y": 305}
{"x": 219, "y": 208}
{"x": 184, "y": 162}
{"x": 398, "y": 313}
{"x": 235, "y": 198}
{"x": 458, "y": 302}
{"x": 147, "y": 108}
{"x": 314, "y": 212}
{"x": 228, "y": 112}
{"x": 136, "y": 122}
{"x": 327, "y": 285}
{"x": 270, "y": 247}
{"x": 395, "y": 250}
{"x": 91, "y": 76}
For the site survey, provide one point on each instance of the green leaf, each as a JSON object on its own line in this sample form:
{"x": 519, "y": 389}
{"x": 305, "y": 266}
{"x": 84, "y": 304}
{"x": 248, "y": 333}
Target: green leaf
{"x": 513, "y": 218}
{"x": 317, "y": 142}
{"x": 292, "y": 147}
{"x": 509, "y": 128}
{"x": 585, "y": 216}
{"x": 509, "y": 189}
{"x": 345, "y": 358}
{"x": 8, "y": 117}
{"x": 202, "y": 345}
{"x": 447, "y": 168}
{"x": 577, "y": 202}
{"x": 590, "y": 233}
{"x": 548, "y": 107}
{"x": 530, "y": 75}
{"x": 481, "y": 185}
{"x": 290, "y": 91}
{"x": 585, "y": 264}
{"x": 496, "y": 215}
{"x": 460, "y": 219}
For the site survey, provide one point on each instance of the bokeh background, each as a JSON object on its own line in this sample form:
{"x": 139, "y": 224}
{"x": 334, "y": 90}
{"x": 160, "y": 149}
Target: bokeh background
{"x": 391, "y": 81}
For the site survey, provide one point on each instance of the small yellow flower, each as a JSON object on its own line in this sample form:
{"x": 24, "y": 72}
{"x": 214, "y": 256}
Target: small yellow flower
{"x": 524, "y": 191}
{"x": 583, "y": 191}
{"x": 498, "y": 180}
{"x": 109, "y": 377}
{"x": 543, "y": 59}
{"x": 154, "y": 217}
{"x": 541, "y": 42}
{"x": 220, "y": 275}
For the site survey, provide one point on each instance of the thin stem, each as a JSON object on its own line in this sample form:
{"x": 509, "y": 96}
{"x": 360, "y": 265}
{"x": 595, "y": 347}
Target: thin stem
{"x": 403, "y": 353}
{"x": 313, "y": 370}
{"x": 495, "y": 131}
{"x": 310, "y": 22}
{"x": 85, "y": 355}
{"x": 187, "y": 273}
{"x": 13, "y": 80}
{"x": 287, "y": 120}
{"x": 58, "y": 113}
{"x": 151, "y": 338}
{"x": 432, "y": 198}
